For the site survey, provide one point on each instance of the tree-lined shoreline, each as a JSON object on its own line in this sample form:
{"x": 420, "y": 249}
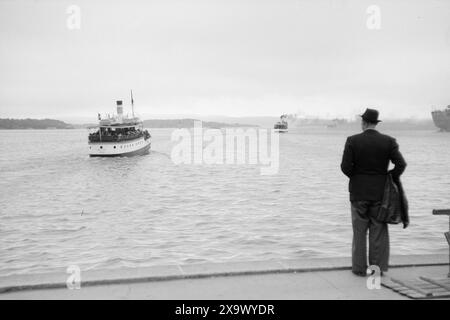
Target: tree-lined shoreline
{"x": 34, "y": 124}
{"x": 43, "y": 124}
{"x": 21, "y": 124}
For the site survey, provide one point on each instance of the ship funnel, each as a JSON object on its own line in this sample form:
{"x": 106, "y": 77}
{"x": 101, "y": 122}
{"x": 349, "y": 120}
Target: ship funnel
{"x": 119, "y": 110}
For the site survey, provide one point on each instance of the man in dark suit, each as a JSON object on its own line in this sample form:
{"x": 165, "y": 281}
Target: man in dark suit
{"x": 366, "y": 161}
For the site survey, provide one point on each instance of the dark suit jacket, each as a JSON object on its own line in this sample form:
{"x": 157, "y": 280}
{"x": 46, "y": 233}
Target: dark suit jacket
{"x": 366, "y": 161}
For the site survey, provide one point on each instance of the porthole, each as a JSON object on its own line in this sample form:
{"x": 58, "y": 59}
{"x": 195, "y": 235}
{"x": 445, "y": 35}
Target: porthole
{"x": 101, "y": 147}
{"x": 114, "y": 147}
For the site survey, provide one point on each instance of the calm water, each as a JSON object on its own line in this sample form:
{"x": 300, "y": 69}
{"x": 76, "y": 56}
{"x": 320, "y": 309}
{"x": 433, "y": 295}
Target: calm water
{"x": 145, "y": 211}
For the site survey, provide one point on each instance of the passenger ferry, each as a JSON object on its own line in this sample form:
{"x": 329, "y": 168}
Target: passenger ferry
{"x": 118, "y": 135}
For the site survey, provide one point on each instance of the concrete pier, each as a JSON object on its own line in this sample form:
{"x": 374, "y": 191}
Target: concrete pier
{"x": 273, "y": 279}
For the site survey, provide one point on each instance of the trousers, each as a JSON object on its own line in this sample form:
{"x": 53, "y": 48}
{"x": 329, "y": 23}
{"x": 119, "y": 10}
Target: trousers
{"x": 364, "y": 219}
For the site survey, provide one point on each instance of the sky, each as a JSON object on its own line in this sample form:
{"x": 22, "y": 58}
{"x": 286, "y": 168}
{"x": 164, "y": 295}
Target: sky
{"x": 324, "y": 58}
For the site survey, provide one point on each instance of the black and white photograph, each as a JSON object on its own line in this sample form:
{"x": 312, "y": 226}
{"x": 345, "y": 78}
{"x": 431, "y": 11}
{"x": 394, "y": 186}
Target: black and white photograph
{"x": 224, "y": 155}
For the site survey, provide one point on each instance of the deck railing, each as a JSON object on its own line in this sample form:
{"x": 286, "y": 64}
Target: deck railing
{"x": 445, "y": 212}
{"x": 113, "y": 138}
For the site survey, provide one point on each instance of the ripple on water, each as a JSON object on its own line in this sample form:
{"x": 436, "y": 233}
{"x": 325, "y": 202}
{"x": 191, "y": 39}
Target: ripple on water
{"x": 146, "y": 211}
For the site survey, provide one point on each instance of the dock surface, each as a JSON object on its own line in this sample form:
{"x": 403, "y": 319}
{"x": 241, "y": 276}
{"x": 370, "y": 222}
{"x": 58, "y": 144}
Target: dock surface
{"x": 281, "y": 279}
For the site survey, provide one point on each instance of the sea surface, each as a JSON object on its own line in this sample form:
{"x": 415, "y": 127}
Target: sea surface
{"x": 59, "y": 207}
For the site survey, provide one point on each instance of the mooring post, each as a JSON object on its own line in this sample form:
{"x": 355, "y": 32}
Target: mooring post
{"x": 445, "y": 212}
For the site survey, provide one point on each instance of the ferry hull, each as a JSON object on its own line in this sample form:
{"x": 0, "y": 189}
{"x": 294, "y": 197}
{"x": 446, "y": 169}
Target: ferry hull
{"x": 139, "y": 152}
{"x": 127, "y": 149}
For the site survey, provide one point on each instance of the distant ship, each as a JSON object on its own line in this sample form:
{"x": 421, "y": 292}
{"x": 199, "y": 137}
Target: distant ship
{"x": 441, "y": 118}
{"x": 118, "y": 135}
{"x": 282, "y": 125}
{"x": 336, "y": 123}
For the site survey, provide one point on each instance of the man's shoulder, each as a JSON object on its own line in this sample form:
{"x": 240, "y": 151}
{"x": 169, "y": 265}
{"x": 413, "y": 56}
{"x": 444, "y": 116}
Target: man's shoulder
{"x": 355, "y": 137}
{"x": 363, "y": 135}
{"x": 386, "y": 137}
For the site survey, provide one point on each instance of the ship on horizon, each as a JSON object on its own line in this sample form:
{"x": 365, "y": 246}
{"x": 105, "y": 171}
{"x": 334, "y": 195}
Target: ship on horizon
{"x": 441, "y": 118}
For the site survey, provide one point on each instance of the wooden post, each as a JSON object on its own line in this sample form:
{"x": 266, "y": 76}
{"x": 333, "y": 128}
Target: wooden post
{"x": 445, "y": 212}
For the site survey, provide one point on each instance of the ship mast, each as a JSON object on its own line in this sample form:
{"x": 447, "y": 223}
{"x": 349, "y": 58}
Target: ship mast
{"x": 132, "y": 104}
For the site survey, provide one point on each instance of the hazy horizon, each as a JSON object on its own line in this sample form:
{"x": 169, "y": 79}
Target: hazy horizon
{"x": 224, "y": 58}
{"x": 243, "y": 120}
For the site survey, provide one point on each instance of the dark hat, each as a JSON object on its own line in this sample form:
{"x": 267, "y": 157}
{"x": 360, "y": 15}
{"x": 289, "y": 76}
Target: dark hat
{"x": 370, "y": 115}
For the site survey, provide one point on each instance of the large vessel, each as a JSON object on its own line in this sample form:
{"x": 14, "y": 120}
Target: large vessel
{"x": 119, "y": 135}
{"x": 441, "y": 118}
{"x": 282, "y": 125}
